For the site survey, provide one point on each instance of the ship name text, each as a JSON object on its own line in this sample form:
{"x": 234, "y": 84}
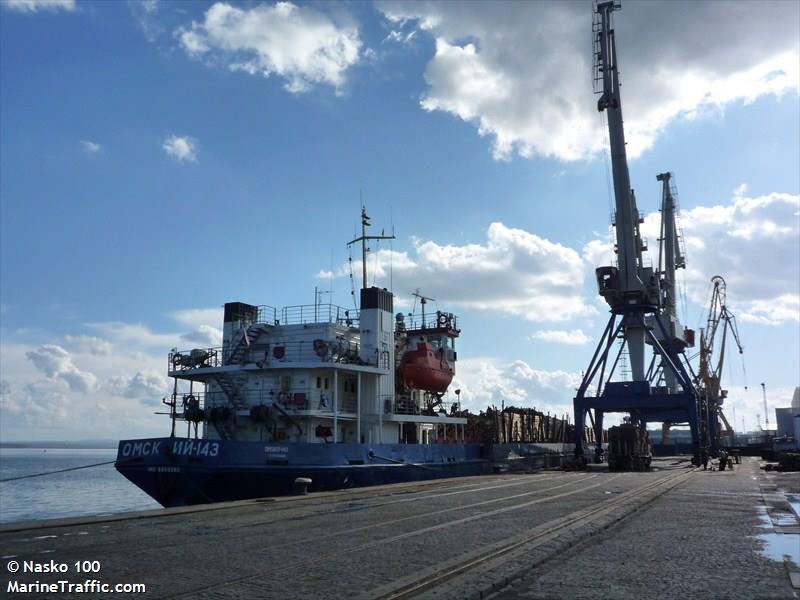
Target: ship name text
{"x": 179, "y": 448}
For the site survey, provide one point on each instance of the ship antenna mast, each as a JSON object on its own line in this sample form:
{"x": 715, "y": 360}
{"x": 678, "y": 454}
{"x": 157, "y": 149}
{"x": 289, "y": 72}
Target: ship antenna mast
{"x": 363, "y": 239}
{"x": 423, "y": 300}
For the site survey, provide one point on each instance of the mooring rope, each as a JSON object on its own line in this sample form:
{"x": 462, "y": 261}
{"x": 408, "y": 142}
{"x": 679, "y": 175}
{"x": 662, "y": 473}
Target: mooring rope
{"x": 109, "y": 462}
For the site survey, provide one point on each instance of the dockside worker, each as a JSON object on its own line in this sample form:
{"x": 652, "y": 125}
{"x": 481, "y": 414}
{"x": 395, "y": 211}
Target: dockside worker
{"x": 723, "y": 460}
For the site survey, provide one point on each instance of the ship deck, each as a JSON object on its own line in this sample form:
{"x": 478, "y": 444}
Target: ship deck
{"x": 676, "y": 532}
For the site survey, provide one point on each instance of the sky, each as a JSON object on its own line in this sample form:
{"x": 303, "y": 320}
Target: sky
{"x": 158, "y": 159}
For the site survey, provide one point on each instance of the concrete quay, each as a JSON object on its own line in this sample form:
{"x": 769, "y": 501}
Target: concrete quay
{"x": 675, "y": 532}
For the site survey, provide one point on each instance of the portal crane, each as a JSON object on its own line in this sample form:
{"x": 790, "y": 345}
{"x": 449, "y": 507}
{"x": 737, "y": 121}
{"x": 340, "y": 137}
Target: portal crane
{"x": 766, "y": 410}
{"x": 720, "y": 321}
{"x": 671, "y": 257}
{"x": 631, "y": 290}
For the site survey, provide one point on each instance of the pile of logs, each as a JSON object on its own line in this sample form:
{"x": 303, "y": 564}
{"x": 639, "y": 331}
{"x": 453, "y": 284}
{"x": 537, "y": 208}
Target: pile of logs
{"x": 525, "y": 425}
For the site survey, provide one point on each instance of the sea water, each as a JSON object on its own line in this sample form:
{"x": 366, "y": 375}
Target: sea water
{"x": 94, "y": 491}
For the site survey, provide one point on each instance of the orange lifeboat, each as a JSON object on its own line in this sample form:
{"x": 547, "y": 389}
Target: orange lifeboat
{"x": 425, "y": 369}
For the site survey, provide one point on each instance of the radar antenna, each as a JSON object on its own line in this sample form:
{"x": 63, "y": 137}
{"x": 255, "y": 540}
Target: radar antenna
{"x": 363, "y": 239}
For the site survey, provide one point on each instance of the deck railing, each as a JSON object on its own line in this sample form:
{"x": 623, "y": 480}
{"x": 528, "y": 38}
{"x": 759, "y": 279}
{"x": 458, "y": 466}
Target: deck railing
{"x": 291, "y": 400}
{"x": 404, "y": 406}
{"x": 319, "y": 313}
{"x": 276, "y": 354}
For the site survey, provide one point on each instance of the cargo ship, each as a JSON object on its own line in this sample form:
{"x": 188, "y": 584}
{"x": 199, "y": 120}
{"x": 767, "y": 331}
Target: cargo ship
{"x": 315, "y": 394}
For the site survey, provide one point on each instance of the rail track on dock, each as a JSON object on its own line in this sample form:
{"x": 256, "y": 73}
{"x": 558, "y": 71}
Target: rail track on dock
{"x": 570, "y": 484}
{"x": 512, "y": 502}
{"x": 537, "y": 536}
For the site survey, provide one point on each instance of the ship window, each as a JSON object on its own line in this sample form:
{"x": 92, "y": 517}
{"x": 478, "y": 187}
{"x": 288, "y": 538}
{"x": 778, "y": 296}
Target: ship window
{"x": 326, "y": 383}
{"x": 319, "y": 383}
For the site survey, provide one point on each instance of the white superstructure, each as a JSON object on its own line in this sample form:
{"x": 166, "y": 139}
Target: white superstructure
{"x": 315, "y": 374}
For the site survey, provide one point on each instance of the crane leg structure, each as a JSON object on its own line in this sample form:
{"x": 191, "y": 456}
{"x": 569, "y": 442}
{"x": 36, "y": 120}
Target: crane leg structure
{"x": 641, "y": 399}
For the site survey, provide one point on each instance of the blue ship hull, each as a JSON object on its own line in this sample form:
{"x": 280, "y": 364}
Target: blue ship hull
{"x": 181, "y": 471}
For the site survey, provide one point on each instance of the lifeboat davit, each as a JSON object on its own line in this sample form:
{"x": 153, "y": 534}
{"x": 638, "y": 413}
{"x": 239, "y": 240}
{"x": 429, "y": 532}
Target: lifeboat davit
{"x": 425, "y": 369}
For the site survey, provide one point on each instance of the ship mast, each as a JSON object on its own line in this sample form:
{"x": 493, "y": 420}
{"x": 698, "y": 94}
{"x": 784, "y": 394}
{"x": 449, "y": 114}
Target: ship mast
{"x": 423, "y": 300}
{"x": 363, "y": 239}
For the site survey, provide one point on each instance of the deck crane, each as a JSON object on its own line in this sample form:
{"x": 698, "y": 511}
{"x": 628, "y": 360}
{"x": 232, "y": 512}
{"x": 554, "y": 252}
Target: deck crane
{"x": 632, "y": 291}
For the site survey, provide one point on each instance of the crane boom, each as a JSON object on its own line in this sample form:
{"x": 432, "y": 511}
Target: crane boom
{"x": 629, "y": 284}
{"x": 626, "y": 214}
{"x": 720, "y": 321}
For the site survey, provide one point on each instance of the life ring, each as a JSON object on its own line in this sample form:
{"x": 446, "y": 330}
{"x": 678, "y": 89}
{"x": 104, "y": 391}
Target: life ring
{"x": 443, "y": 319}
{"x": 320, "y": 348}
{"x": 283, "y": 397}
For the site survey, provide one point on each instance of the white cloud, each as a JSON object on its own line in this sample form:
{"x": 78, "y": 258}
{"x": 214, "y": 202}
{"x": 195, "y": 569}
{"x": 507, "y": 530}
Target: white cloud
{"x": 752, "y": 242}
{"x": 197, "y": 317}
{"x": 56, "y": 363}
{"x": 50, "y": 393}
{"x": 145, "y": 12}
{"x": 36, "y": 403}
{"x": 302, "y": 45}
{"x": 91, "y": 147}
{"x": 97, "y": 381}
{"x": 204, "y": 323}
{"x": 183, "y": 149}
{"x": 88, "y": 344}
{"x": 574, "y": 337}
{"x": 134, "y": 335}
{"x": 485, "y": 381}
{"x": 781, "y": 309}
{"x": 400, "y": 36}
{"x": 147, "y": 385}
{"x": 522, "y": 75}
{"x": 514, "y": 272}
{"x": 205, "y": 335}
{"x": 137, "y": 335}
{"x": 32, "y": 6}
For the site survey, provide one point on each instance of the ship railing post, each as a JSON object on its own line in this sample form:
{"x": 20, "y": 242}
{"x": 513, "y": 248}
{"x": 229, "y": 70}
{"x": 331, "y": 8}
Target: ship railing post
{"x": 358, "y": 409}
{"x": 335, "y": 405}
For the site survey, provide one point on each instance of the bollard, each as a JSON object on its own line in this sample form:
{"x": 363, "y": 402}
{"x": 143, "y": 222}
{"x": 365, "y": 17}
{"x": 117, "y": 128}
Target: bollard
{"x": 301, "y": 486}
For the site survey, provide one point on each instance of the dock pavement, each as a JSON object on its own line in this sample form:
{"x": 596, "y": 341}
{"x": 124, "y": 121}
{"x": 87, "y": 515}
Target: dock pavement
{"x": 675, "y": 532}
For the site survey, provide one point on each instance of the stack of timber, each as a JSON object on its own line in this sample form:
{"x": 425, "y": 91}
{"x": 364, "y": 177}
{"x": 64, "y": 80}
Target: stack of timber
{"x": 520, "y": 425}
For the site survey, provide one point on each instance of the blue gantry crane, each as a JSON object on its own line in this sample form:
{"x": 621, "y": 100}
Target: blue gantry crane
{"x": 641, "y": 299}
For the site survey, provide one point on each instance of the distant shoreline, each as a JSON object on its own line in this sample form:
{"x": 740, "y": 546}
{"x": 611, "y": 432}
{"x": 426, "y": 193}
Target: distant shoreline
{"x": 79, "y": 445}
